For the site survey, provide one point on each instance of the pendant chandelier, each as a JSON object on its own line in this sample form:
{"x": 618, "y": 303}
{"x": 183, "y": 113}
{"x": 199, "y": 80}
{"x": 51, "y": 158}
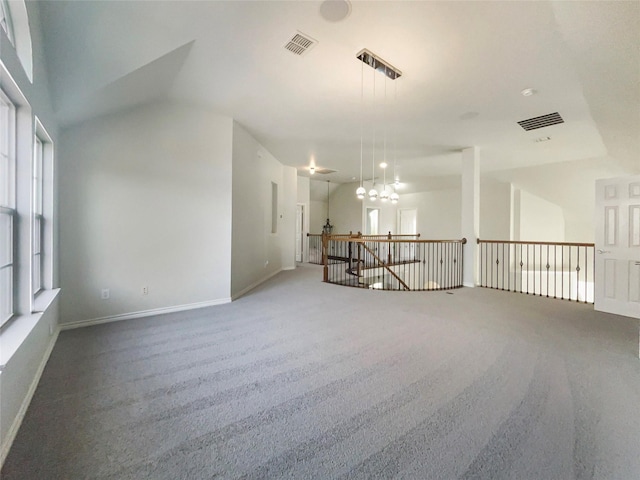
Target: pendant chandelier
{"x": 394, "y": 197}
{"x": 390, "y": 72}
{"x": 373, "y": 193}
{"x": 384, "y": 195}
{"x": 361, "y": 191}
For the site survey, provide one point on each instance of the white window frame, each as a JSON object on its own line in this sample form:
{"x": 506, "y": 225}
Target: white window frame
{"x": 42, "y": 213}
{"x": 6, "y": 22}
{"x": 8, "y": 207}
{"x": 37, "y": 283}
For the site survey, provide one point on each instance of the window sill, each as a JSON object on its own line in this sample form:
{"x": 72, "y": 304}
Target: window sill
{"x": 44, "y": 299}
{"x": 18, "y": 329}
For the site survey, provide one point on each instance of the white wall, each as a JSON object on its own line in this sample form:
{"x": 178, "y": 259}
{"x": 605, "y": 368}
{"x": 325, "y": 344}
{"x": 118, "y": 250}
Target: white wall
{"x": 303, "y": 193}
{"x": 576, "y": 230}
{"x": 346, "y": 209}
{"x": 23, "y": 367}
{"x": 495, "y": 210}
{"x": 317, "y": 216}
{"x": 146, "y": 196}
{"x": 536, "y": 219}
{"x": 303, "y": 198}
{"x": 256, "y": 252}
{"x": 438, "y": 213}
{"x": 288, "y": 217}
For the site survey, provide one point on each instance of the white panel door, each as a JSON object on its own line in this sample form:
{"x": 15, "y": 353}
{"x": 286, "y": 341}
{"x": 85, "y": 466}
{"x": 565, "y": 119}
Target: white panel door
{"x": 617, "y": 281}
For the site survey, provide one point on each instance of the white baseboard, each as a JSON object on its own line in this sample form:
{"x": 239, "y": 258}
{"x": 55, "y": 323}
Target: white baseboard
{"x": 142, "y": 313}
{"x": 253, "y": 285}
{"x": 470, "y": 285}
{"x": 17, "y": 421}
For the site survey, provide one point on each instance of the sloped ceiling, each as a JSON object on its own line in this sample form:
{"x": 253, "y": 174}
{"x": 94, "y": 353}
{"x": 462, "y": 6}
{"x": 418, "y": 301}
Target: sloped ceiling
{"x": 464, "y": 65}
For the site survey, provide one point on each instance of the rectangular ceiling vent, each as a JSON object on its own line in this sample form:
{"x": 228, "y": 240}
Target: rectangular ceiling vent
{"x": 300, "y": 44}
{"x": 540, "y": 122}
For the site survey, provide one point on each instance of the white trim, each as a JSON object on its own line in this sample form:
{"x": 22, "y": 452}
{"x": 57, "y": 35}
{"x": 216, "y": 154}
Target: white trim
{"x": 290, "y": 268}
{"x": 254, "y": 285}
{"x": 142, "y": 313}
{"x": 469, "y": 285}
{"x": 17, "y": 421}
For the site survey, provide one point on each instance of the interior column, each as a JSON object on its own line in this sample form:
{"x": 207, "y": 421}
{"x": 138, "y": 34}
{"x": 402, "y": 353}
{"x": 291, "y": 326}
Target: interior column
{"x": 470, "y": 213}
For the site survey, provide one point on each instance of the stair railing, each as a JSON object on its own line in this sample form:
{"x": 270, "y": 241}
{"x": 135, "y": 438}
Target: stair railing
{"x": 392, "y": 262}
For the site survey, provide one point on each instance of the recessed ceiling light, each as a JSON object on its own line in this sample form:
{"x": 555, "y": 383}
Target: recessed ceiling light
{"x": 527, "y": 92}
{"x": 383, "y": 165}
{"x": 335, "y": 10}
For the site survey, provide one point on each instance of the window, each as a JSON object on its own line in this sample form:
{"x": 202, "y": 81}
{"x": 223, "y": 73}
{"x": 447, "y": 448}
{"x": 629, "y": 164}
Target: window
{"x": 5, "y": 20}
{"x": 41, "y": 213}
{"x": 7, "y": 206}
{"x": 38, "y": 217}
{"x": 14, "y": 21}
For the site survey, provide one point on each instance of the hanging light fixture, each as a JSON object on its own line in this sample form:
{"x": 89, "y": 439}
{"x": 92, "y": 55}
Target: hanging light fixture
{"x": 384, "y": 195}
{"x": 327, "y": 228}
{"x": 361, "y": 191}
{"x": 389, "y": 71}
{"x": 373, "y": 193}
{"x": 394, "y": 197}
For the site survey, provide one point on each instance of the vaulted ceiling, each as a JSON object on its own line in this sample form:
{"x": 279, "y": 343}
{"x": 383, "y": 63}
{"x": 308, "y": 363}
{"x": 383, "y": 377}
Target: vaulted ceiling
{"x": 464, "y": 65}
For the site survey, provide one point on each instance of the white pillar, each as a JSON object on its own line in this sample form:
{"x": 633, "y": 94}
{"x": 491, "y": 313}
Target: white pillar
{"x": 470, "y": 213}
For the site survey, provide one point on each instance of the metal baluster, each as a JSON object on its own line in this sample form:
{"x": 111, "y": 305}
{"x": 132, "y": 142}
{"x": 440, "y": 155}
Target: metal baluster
{"x": 578, "y": 274}
{"x": 569, "y": 273}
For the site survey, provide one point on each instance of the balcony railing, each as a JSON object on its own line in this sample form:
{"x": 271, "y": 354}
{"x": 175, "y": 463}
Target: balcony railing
{"x": 315, "y": 248}
{"x": 556, "y": 270}
{"x": 392, "y": 262}
{"x": 315, "y": 242}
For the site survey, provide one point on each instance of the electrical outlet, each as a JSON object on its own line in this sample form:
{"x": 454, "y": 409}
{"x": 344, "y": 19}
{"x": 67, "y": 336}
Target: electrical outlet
{"x": 145, "y": 290}
{"x": 105, "y": 294}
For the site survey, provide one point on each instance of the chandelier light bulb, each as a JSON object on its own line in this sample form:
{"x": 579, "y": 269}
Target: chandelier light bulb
{"x": 394, "y": 197}
{"x": 384, "y": 195}
{"x": 361, "y": 192}
{"x": 373, "y": 194}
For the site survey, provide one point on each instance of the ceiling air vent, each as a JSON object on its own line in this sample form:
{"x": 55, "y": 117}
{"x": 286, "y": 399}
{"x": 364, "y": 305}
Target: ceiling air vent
{"x": 300, "y": 43}
{"x": 540, "y": 122}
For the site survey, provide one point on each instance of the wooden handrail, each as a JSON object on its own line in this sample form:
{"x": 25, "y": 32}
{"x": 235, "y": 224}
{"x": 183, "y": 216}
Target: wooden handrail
{"x": 386, "y": 240}
{"x": 519, "y": 242}
{"x": 359, "y": 235}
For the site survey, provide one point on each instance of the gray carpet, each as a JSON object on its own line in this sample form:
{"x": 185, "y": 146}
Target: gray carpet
{"x": 300, "y": 379}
